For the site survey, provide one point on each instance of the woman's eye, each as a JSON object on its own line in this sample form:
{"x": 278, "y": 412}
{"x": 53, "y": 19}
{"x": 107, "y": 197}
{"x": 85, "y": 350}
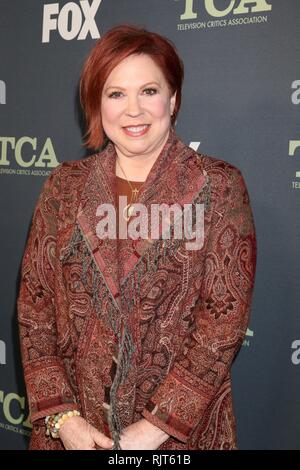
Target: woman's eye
{"x": 150, "y": 91}
{"x": 115, "y": 94}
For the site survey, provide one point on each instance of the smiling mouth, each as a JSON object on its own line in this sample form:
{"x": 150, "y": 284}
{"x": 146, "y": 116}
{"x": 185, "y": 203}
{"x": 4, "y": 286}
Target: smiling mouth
{"x": 136, "y": 131}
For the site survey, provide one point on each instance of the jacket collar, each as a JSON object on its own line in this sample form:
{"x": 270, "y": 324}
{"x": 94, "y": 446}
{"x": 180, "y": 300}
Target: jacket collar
{"x": 170, "y": 180}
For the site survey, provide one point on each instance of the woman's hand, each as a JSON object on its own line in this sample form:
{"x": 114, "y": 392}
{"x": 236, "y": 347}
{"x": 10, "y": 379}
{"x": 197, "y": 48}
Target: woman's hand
{"x": 142, "y": 435}
{"x": 77, "y": 434}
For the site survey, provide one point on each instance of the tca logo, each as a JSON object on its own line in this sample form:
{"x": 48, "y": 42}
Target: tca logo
{"x": 2, "y": 92}
{"x": 71, "y": 21}
{"x": 2, "y": 352}
{"x": 294, "y": 145}
{"x": 9, "y": 403}
{"x": 25, "y": 158}
{"x": 237, "y": 7}
{"x": 249, "y": 333}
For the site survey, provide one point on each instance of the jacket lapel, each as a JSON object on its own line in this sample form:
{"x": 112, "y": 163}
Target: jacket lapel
{"x": 99, "y": 189}
{"x": 170, "y": 180}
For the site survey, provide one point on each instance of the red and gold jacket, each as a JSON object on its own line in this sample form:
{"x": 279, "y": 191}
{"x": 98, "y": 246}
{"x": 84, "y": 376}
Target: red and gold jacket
{"x": 156, "y": 341}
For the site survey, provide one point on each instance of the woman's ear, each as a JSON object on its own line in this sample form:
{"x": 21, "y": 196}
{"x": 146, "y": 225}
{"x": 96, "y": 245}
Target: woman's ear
{"x": 172, "y": 103}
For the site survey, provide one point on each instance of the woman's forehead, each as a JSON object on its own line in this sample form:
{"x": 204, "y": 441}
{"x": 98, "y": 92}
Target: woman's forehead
{"x": 137, "y": 67}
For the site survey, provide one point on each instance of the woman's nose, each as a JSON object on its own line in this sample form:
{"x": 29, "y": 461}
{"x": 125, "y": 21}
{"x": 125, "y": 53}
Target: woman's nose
{"x": 133, "y": 106}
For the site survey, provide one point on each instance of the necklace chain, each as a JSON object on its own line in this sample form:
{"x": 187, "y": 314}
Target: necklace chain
{"x": 134, "y": 192}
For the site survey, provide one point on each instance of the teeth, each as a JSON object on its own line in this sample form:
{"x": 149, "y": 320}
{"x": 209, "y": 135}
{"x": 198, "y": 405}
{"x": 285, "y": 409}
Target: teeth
{"x": 136, "y": 128}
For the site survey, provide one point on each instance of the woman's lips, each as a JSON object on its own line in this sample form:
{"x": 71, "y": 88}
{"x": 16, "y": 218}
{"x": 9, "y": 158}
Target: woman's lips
{"x": 136, "y": 131}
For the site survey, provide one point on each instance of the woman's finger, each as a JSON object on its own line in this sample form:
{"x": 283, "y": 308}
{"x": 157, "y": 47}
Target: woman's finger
{"x": 101, "y": 440}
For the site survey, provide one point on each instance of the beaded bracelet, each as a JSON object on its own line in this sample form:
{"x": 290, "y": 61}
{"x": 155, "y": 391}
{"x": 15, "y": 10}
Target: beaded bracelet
{"x": 54, "y": 422}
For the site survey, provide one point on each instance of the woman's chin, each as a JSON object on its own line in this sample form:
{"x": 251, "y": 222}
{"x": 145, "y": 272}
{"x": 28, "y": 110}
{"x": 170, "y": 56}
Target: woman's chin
{"x": 136, "y": 147}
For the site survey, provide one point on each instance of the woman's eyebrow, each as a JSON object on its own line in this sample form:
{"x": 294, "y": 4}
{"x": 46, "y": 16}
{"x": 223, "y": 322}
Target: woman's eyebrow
{"x": 142, "y": 86}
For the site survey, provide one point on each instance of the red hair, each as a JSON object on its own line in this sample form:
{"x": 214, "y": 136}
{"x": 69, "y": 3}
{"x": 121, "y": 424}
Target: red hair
{"x": 117, "y": 44}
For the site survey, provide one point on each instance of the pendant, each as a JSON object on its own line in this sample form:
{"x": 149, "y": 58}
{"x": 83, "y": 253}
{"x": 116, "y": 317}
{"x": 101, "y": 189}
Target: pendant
{"x": 127, "y": 212}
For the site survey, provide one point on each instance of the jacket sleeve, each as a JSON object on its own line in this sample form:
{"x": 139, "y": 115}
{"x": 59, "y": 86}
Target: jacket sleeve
{"x": 221, "y": 316}
{"x": 47, "y": 385}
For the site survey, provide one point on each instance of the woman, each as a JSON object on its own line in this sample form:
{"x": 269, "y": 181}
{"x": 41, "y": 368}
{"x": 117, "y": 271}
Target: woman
{"x": 136, "y": 333}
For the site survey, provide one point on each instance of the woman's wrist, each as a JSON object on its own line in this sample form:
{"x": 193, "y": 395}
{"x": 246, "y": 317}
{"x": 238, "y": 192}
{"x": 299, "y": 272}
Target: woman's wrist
{"x": 161, "y": 435}
{"x": 55, "y": 422}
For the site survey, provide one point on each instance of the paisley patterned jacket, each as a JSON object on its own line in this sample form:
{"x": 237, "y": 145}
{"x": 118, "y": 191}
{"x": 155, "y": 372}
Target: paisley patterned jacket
{"x": 158, "y": 340}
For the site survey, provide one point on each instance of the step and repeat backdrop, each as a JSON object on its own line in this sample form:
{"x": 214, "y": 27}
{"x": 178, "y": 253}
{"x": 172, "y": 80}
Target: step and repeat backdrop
{"x": 241, "y": 103}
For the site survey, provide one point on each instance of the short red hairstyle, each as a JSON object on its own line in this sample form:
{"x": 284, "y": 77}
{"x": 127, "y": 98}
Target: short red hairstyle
{"x": 117, "y": 44}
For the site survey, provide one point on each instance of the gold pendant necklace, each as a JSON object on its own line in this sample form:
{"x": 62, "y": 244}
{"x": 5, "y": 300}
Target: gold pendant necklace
{"x": 128, "y": 210}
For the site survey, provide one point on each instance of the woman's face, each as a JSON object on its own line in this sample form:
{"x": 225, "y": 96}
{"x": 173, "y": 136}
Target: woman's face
{"x": 136, "y": 107}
